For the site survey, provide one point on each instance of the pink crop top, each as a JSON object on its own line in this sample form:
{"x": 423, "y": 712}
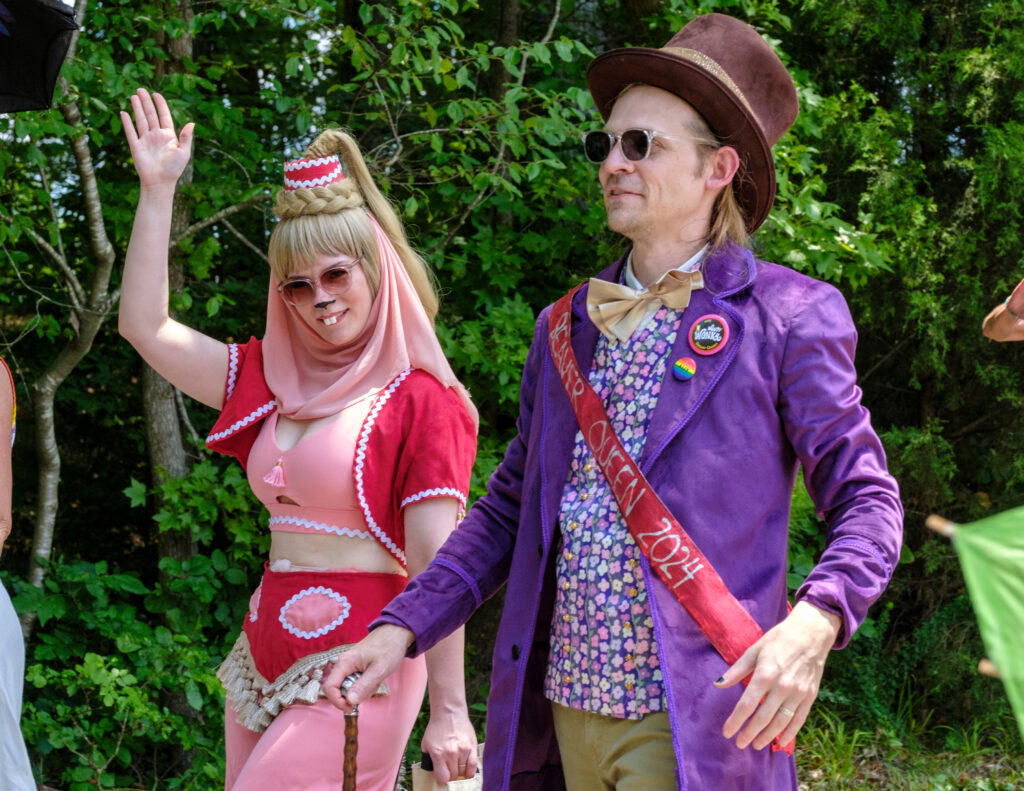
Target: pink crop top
{"x": 316, "y": 474}
{"x": 353, "y": 476}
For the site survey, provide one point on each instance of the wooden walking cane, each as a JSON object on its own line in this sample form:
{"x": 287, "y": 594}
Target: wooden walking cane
{"x": 944, "y": 527}
{"x": 351, "y": 737}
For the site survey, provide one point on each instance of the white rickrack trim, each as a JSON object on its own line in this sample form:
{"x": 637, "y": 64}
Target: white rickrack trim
{"x": 345, "y": 609}
{"x": 321, "y": 526}
{"x": 238, "y": 425}
{"x": 360, "y": 460}
{"x": 440, "y": 492}
{"x": 232, "y": 368}
{"x": 302, "y": 164}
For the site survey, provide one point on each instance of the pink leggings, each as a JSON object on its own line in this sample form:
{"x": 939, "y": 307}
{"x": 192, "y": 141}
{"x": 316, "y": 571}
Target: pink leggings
{"x": 303, "y": 749}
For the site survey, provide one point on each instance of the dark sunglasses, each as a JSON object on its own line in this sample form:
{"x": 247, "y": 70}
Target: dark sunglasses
{"x": 636, "y": 144}
{"x": 301, "y": 291}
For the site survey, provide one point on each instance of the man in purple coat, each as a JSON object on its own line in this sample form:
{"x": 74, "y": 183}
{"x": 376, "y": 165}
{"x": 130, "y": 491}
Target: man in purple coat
{"x": 721, "y": 375}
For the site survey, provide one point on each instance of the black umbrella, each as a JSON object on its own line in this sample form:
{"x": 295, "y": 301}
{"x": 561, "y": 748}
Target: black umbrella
{"x": 34, "y": 38}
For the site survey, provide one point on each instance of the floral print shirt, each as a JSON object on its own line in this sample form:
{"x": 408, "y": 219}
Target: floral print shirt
{"x": 603, "y": 655}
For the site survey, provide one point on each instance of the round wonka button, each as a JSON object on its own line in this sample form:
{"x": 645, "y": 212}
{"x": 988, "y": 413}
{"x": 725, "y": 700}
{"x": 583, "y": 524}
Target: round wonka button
{"x": 708, "y": 334}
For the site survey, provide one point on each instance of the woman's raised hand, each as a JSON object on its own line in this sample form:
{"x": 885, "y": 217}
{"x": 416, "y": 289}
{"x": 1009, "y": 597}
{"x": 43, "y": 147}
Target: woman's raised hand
{"x": 159, "y": 154}
{"x": 191, "y": 361}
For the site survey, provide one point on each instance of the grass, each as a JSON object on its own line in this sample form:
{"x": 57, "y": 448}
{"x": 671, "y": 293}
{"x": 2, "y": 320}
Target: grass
{"x": 834, "y": 757}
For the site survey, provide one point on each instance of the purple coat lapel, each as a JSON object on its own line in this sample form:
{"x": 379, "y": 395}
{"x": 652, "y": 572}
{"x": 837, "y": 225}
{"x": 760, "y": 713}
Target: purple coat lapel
{"x": 679, "y": 400}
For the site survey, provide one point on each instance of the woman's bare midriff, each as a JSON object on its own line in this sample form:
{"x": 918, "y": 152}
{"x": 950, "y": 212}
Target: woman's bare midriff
{"x": 333, "y": 552}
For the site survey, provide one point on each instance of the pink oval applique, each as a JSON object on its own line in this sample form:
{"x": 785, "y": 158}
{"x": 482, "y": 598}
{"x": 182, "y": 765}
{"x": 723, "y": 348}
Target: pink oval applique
{"x": 314, "y": 612}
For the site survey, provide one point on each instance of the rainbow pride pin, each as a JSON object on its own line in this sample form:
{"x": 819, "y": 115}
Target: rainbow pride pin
{"x": 684, "y": 368}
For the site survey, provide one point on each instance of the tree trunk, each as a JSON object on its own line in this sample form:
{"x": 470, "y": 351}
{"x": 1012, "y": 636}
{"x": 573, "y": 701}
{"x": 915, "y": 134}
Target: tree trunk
{"x": 508, "y": 36}
{"x": 89, "y": 311}
{"x": 44, "y": 394}
{"x": 168, "y": 457}
{"x": 482, "y": 628}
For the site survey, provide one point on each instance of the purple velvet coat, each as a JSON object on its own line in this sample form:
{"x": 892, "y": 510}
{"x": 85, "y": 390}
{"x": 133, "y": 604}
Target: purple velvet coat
{"x": 722, "y": 452}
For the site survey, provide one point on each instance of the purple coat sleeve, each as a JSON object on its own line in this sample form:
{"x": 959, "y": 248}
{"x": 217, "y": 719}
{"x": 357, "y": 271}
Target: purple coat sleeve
{"x": 843, "y": 461}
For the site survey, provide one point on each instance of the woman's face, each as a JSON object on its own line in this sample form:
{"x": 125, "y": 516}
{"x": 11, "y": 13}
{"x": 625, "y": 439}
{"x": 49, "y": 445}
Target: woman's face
{"x": 338, "y": 312}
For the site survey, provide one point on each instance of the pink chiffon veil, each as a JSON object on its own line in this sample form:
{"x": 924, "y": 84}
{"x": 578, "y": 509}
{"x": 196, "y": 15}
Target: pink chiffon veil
{"x": 312, "y": 378}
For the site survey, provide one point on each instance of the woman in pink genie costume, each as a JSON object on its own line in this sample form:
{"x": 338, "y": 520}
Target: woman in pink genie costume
{"x": 356, "y": 436}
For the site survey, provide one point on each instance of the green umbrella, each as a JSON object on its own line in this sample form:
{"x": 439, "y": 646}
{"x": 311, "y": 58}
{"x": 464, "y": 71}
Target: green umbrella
{"x": 991, "y": 555}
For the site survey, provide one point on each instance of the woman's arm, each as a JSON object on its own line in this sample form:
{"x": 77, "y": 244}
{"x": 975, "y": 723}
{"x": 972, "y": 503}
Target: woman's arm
{"x": 449, "y": 739}
{"x": 191, "y": 361}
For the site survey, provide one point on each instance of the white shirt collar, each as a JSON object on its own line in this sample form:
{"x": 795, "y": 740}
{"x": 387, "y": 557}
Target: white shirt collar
{"x": 690, "y": 265}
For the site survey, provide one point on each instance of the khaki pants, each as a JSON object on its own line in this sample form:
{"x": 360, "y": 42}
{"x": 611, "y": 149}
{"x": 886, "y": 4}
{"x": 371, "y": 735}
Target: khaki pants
{"x": 608, "y": 754}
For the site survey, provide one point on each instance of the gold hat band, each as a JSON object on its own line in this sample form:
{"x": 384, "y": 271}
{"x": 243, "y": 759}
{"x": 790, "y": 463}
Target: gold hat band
{"x": 711, "y": 66}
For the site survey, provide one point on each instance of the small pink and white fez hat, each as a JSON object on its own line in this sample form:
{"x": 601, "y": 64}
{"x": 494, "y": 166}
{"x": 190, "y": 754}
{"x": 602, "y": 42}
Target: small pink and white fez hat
{"x": 309, "y": 173}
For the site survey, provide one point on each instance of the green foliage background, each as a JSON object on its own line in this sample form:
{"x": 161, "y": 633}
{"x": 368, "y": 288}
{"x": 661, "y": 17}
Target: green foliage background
{"x": 900, "y": 183}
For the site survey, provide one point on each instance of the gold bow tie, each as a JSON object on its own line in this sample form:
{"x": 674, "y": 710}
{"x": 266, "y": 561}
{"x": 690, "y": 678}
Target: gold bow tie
{"x": 618, "y": 310}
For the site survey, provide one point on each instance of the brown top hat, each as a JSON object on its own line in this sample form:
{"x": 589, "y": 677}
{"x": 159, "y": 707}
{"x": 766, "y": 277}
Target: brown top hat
{"x": 723, "y": 69}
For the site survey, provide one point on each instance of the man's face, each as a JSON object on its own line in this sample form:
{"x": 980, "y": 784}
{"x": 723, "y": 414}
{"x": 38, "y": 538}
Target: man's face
{"x": 664, "y": 195}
